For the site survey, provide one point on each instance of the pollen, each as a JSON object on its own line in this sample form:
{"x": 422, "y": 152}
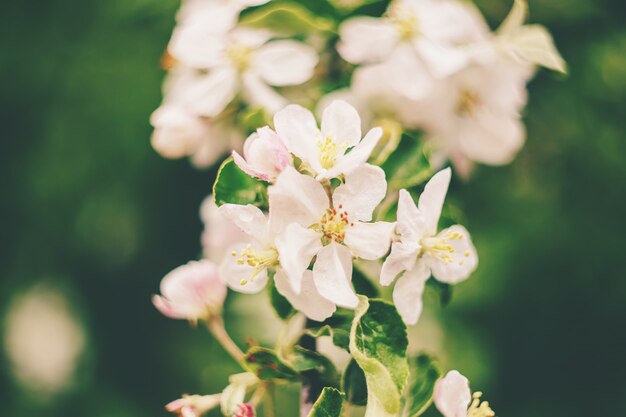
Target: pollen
{"x": 478, "y": 408}
{"x": 333, "y": 225}
{"x": 440, "y": 247}
{"x": 328, "y": 152}
{"x": 256, "y": 259}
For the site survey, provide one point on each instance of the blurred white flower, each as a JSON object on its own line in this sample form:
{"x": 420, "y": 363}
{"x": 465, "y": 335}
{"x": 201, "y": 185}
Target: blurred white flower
{"x": 219, "y": 233}
{"x": 192, "y": 291}
{"x": 336, "y": 148}
{"x": 193, "y": 405}
{"x": 448, "y": 255}
{"x": 333, "y": 230}
{"x": 453, "y": 398}
{"x": 264, "y": 155}
{"x": 43, "y": 340}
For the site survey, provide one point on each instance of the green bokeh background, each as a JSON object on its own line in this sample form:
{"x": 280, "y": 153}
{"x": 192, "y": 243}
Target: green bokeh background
{"x": 87, "y": 206}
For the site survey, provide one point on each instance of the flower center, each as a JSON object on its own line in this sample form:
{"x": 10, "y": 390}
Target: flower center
{"x": 405, "y": 22}
{"x": 333, "y": 225}
{"x": 478, "y": 408}
{"x": 257, "y": 259}
{"x": 467, "y": 102}
{"x": 328, "y": 152}
{"x": 239, "y": 55}
{"x": 440, "y": 247}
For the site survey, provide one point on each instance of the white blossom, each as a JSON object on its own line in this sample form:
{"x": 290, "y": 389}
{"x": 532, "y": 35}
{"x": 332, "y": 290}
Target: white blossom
{"x": 219, "y": 233}
{"x": 264, "y": 155}
{"x": 336, "y": 148}
{"x": 448, "y": 255}
{"x": 453, "y": 398}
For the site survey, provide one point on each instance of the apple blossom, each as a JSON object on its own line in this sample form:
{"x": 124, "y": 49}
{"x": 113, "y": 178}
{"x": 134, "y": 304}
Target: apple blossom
{"x": 453, "y": 398}
{"x": 335, "y": 228}
{"x": 336, "y": 148}
{"x": 265, "y": 155}
{"x": 193, "y": 405}
{"x": 219, "y": 233}
{"x": 272, "y": 246}
{"x": 448, "y": 255}
{"x": 192, "y": 291}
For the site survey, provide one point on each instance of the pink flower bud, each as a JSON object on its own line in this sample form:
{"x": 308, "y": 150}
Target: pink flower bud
{"x": 245, "y": 410}
{"x": 265, "y": 155}
{"x": 193, "y": 291}
{"x": 193, "y": 405}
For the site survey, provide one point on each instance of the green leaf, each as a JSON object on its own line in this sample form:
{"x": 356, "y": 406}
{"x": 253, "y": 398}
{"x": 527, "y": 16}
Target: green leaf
{"x": 338, "y": 327}
{"x": 281, "y": 306}
{"x": 287, "y": 19}
{"x": 266, "y": 364}
{"x": 354, "y": 385}
{"x": 378, "y": 343}
{"x": 234, "y": 186}
{"x": 328, "y": 404}
{"x": 443, "y": 290}
{"x": 303, "y": 360}
{"x": 362, "y": 284}
{"x": 419, "y": 392}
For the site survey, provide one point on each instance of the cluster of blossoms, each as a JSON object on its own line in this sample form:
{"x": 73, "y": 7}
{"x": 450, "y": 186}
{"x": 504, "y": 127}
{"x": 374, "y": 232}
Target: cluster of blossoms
{"x": 305, "y": 209}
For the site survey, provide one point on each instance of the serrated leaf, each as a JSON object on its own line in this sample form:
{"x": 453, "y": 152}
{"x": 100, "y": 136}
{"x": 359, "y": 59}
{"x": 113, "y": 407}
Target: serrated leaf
{"x": 286, "y": 18}
{"x": 234, "y": 186}
{"x": 265, "y": 364}
{"x": 328, "y": 404}
{"x": 378, "y": 343}
{"x": 419, "y": 392}
{"x": 354, "y": 385}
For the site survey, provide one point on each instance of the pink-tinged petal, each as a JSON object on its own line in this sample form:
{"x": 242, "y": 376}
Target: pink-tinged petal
{"x": 366, "y": 40}
{"x": 245, "y": 167}
{"x": 342, "y": 124}
{"x": 402, "y": 258}
{"x": 250, "y": 219}
{"x": 332, "y": 274}
{"x": 285, "y": 62}
{"x": 363, "y": 189}
{"x": 298, "y": 129}
{"x": 369, "y": 240}
{"x": 309, "y": 301}
{"x": 407, "y": 293}
{"x": 296, "y": 246}
{"x": 166, "y": 308}
{"x": 458, "y": 263}
{"x": 355, "y": 157}
{"x": 431, "y": 200}
{"x": 452, "y": 395}
{"x": 245, "y": 410}
{"x": 296, "y": 198}
{"x": 265, "y": 155}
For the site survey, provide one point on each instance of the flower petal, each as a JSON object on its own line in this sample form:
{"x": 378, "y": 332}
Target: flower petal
{"x": 296, "y": 198}
{"x": 369, "y": 240}
{"x": 309, "y": 301}
{"x": 407, "y": 293}
{"x": 259, "y": 94}
{"x": 411, "y": 224}
{"x": 296, "y": 247}
{"x": 452, "y": 395}
{"x": 431, "y": 200}
{"x": 212, "y": 93}
{"x": 285, "y": 62}
{"x": 332, "y": 274}
{"x": 342, "y": 124}
{"x": 402, "y": 258}
{"x": 356, "y": 157}
{"x": 250, "y": 219}
{"x": 298, "y": 129}
{"x": 363, "y": 190}
{"x": 366, "y": 40}
{"x": 463, "y": 258}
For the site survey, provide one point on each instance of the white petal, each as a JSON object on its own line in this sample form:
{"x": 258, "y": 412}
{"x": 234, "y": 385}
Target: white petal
{"x": 196, "y": 47}
{"x": 363, "y": 190}
{"x": 408, "y": 75}
{"x": 259, "y": 94}
{"x": 296, "y": 248}
{"x": 250, "y": 219}
{"x": 213, "y": 92}
{"x": 441, "y": 60}
{"x": 285, "y": 62}
{"x": 356, "y": 157}
{"x": 407, "y": 293}
{"x": 332, "y": 273}
{"x": 432, "y": 198}
{"x": 463, "y": 260}
{"x": 298, "y": 129}
{"x": 366, "y": 40}
{"x": 239, "y": 277}
{"x": 309, "y": 301}
{"x": 402, "y": 258}
{"x": 342, "y": 124}
{"x": 369, "y": 240}
{"x": 411, "y": 225}
{"x": 452, "y": 395}
{"x": 296, "y": 198}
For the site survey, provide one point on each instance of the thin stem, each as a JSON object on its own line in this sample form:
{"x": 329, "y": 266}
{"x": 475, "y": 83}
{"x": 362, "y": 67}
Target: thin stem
{"x": 269, "y": 409}
{"x": 347, "y": 410}
{"x": 216, "y": 327}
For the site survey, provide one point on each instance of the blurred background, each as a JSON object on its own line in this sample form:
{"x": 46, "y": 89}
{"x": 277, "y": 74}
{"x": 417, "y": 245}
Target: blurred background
{"x": 93, "y": 218}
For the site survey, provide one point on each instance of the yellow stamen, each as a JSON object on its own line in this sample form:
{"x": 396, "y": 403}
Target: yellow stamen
{"x": 467, "y": 102}
{"x": 256, "y": 259}
{"x": 405, "y": 22}
{"x": 239, "y": 55}
{"x": 478, "y": 408}
{"x": 333, "y": 225}
{"x": 328, "y": 152}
